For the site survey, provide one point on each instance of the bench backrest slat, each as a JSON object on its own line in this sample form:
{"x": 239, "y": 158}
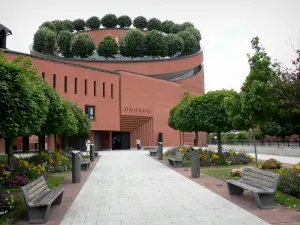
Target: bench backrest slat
{"x": 35, "y": 190}
{"x": 260, "y": 179}
{"x": 179, "y": 155}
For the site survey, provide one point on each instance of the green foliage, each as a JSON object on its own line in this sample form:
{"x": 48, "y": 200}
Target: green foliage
{"x": 108, "y": 47}
{"x": 229, "y": 136}
{"x": 133, "y": 43}
{"x": 290, "y": 183}
{"x": 174, "y": 44}
{"x": 153, "y": 24}
{"x": 64, "y": 42}
{"x": 69, "y": 125}
{"x": 194, "y": 32}
{"x": 176, "y": 28}
{"x": 186, "y": 25}
{"x": 79, "y": 24}
{"x": 259, "y": 135}
{"x": 59, "y": 26}
{"x": 83, "y": 123}
{"x": 155, "y": 43}
{"x": 68, "y": 25}
{"x": 166, "y": 26}
{"x": 124, "y": 21}
{"x": 140, "y": 22}
{"x": 242, "y": 136}
{"x": 190, "y": 42}
{"x": 44, "y": 41}
{"x": 83, "y": 45}
{"x": 109, "y": 21}
{"x": 93, "y": 23}
{"x": 49, "y": 25}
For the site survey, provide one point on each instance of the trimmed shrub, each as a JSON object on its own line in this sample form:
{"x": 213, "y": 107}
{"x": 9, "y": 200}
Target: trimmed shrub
{"x": 290, "y": 183}
{"x": 108, "y": 47}
{"x": 242, "y": 136}
{"x": 154, "y": 24}
{"x": 174, "y": 44}
{"x": 176, "y": 28}
{"x": 296, "y": 167}
{"x": 93, "y": 23}
{"x": 271, "y": 164}
{"x": 68, "y": 25}
{"x": 155, "y": 43}
{"x": 140, "y": 22}
{"x": 49, "y": 25}
{"x": 190, "y": 42}
{"x": 166, "y": 26}
{"x": 79, "y": 24}
{"x": 186, "y": 25}
{"x": 133, "y": 43}
{"x": 82, "y": 45}
{"x": 64, "y": 42}
{"x": 124, "y": 21}
{"x": 59, "y": 26}
{"x": 194, "y": 32}
{"x": 109, "y": 21}
{"x": 44, "y": 41}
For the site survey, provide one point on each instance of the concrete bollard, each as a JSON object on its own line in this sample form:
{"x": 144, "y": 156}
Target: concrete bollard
{"x": 195, "y": 163}
{"x": 160, "y": 151}
{"x": 76, "y": 167}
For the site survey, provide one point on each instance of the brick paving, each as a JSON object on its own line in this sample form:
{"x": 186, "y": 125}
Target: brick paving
{"x": 130, "y": 188}
{"x": 280, "y": 215}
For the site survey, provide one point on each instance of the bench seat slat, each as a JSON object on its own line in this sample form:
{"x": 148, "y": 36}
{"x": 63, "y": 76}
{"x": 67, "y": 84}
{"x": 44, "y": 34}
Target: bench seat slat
{"x": 39, "y": 196}
{"x": 264, "y": 173}
{"x": 258, "y": 182}
{"x": 50, "y": 196}
{"x": 249, "y": 187}
{"x": 258, "y": 176}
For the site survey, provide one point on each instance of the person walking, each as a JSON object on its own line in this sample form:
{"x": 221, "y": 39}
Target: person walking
{"x": 138, "y": 143}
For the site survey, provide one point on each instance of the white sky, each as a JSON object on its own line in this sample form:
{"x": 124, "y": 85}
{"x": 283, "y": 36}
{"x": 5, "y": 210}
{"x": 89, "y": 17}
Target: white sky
{"x": 227, "y": 27}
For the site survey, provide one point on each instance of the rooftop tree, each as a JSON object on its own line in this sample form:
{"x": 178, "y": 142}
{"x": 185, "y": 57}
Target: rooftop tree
{"x": 93, "y": 23}
{"x": 79, "y": 24}
{"x": 190, "y": 42}
{"x": 68, "y": 25}
{"x": 176, "y": 28}
{"x": 140, "y": 22}
{"x": 83, "y": 45}
{"x": 166, "y": 26}
{"x": 59, "y": 26}
{"x": 194, "y": 32}
{"x": 153, "y": 24}
{"x": 155, "y": 44}
{"x": 64, "y": 42}
{"x": 186, "y": 25}
{"x": 49, "y": 25}
{"x": 108, "y": 47}
{"x": 174, "y": 45}
{"x": 109, "y": 21}
{"x": 124, "y": 21}
{"x": 44, "y": 41}
{"x": 133, "y": 43}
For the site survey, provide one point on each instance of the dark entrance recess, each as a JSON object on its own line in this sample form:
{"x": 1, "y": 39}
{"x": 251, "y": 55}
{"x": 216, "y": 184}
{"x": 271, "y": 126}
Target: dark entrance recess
{"x": 120, "y": 140}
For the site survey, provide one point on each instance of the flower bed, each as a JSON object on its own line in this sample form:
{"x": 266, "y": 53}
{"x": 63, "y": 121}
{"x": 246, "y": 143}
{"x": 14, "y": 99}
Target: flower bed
{"x": 290, "y": 181}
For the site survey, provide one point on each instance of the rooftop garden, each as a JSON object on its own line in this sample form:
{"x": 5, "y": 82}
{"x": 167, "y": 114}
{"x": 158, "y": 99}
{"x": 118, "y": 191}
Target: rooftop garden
{"x": 148, "y": 39}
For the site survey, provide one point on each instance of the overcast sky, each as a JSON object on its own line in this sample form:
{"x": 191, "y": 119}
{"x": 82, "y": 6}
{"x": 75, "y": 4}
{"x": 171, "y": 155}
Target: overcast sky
{"x": 227, "y": 27}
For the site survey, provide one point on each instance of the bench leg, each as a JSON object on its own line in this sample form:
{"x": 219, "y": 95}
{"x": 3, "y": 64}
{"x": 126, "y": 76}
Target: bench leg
{"x": 151, "y": 154}
{"x": 170, "y": 162}
{"x": 154, "y": 153}
{"x": 265, "y": 201}
{"x": 235, "y": 190}
{"x": 58, "y": 200}
{"x": 39, "y": 214}
{"x": 177, "y": 164}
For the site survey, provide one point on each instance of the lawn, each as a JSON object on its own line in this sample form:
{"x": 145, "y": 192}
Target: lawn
{"x": 225, "y": 174}
{"x": 21, "y": 209}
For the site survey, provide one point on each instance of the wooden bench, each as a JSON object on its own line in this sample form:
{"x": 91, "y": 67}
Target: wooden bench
{"x": 84, "y": 162}
{"x": 177, "y": 159}
{"x": 39, "y": 198}
{"x": 263, "y": 184}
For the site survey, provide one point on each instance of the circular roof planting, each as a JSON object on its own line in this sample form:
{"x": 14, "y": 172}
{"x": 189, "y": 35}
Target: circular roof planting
{"x": 147, "y": 40}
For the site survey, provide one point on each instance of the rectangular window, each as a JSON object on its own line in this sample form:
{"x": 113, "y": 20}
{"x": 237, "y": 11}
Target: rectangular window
{"x": 112, "y": 90}
{"x": 95, "y": 88}
{"x": 66, "y": 84}
{"x": 75, "y": 85}
{"x": 54, "y": 80}
{"x": 103, "y": 89}
{"x": 43, "y": 76}
{"x": 90, "y": 112}
{"x": 85, "y": 86}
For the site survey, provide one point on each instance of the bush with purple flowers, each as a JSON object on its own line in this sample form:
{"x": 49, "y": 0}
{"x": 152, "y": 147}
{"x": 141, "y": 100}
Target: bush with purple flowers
{"x": 290, "y": 183}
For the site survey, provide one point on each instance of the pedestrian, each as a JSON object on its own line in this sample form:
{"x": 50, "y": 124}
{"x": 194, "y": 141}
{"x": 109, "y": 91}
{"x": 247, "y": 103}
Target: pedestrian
{"x": 138, "y": 143}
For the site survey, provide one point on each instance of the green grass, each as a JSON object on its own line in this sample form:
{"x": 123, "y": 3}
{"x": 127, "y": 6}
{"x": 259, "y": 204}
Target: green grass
{"x": 282, "y": 198}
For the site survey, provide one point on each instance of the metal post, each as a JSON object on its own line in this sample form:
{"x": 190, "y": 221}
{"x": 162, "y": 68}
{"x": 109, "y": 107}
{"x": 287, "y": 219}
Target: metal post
{"x": 76, "y": 167}
{"x": 160, "y": 151}
{"x": 195, "y": 163}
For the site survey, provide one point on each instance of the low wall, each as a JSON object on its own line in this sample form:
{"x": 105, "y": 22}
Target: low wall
{"x": 281, "y": 151}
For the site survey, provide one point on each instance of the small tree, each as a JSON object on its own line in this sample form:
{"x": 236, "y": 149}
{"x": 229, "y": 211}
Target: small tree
{"x": 176, "y": 28}
{"x": 108, "y": 47}
{"x": 79, "y": 24}
{"x": 153, "y": 24}
{"x": 166, "y": 26}
{"x": 49, "y": 25}
{"x": 68, "y": 25}
{"x": 59, "y": 26}
{"x": 64, "y": 41}
{"x": 190, "y": 42}
{"x": 83, "y": 122}
{"x": 194, "y": 32}
{"x": 174, "y": 44}
{"x": 109, "y": 21}
{"x": 155, "y": 43}
{"x": 83, "y": 45}
{"x": 187, "y": 25}
{"x": 44, "y": 41}
{"x": 133, "y": 43}
{"x": 124, "y": 21}
{"x": 93, "y": 23}
{"x": 140, "y": 22}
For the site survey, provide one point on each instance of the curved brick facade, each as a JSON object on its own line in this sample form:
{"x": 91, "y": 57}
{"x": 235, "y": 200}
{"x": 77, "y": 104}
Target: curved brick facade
{"x": 123, "y": 99}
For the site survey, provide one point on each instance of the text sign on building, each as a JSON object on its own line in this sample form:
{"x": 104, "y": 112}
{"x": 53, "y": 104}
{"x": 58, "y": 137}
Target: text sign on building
{"x": 126, "y": 110}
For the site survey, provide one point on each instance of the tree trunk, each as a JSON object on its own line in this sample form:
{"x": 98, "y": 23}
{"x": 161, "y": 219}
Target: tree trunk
{"x": 25, "y": 141}
{"x": 197, "y": 140}
{"x": 255, "y": 150}
{"x": 219, "y": 142}
{"x": 180, "y": 137}
{"x": 10, "y": 154}
{"x": 55, "y": 143}
{"x": 66, "y": 143}
{"x": 41, "y": 143}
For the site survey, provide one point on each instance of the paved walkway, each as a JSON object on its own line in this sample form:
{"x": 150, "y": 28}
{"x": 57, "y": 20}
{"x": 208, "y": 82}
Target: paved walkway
{"x": 282, "y": 159}
{"x": 130, "y": 188}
